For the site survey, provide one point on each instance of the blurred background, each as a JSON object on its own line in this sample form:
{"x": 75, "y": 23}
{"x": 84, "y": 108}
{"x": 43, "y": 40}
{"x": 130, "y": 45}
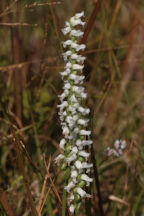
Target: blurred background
{"x": 30, "y": 62}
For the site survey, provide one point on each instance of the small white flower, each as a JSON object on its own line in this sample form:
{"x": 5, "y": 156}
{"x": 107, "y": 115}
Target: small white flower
{"x": 65, "y": 131}
{"x": 78, "y": 165}
{"x": 84, "y": 154}
{"x": 64, "y": 95}
{"x": 68, "y": 65}
{"x": 63, "y": 105}
{"x": 58, "y": 158}
{"x": 62, "y": 143}
{"x": 86, "y": 165}
{"x": 71, "y": 197}
{"x": 85, "y": 132}
{"x": 76, "y": 46}
{"x": 72, "y": 208}
{"x": 74, "y": 174}
{"x": 75, "y": 22}
{"x": 83, "y": 95}
{"x": 79, "y": 15}
{"x": 66, "y": 30}
{"x": 87, "y": 142}
{"x": 67, "y": 43}
{"x": 66, "y": 54}
{"x": 72, "y": 109}
{"x": 77, "y": 67}
{"x": 78, "y": 142}
{"x": 67, "y": 86}
{"x": 82, "y": 193}
{"x": 71, "y": 158}
{"x": 83, "y": 122}
{"x": 83, "y": 110}
{"x": 86, "y": 178}
{"x": 76, "y": 33}
{"x": 73, "y": 98}
{"x": 74, "y": 150}
{"x": 69, "y": 186}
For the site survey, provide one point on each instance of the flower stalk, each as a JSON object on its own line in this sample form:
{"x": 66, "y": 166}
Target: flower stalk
{"x": 74, "y": 118}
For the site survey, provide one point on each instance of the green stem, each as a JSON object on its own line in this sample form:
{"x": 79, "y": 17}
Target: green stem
{"x": 64, "y": 203}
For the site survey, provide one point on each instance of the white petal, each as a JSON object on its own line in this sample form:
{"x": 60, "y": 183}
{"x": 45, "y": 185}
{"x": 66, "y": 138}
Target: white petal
{"x": 71, "y": 158}
{"x": 58, "y": 158}
{"x": 67, "y": 43}
{"x": 79, "y": 15}
{"x": 65, "y": 131}
{"x": 81, "y": 192}
{"x": 78, "y": 142}
{"x": 86, "y": 178}
{"x": 64, "y": 104}
{"x": 77, "y": 67}
{"x": 74, "y": 150}
{"x": 86, "y": 165}
{"x": 72, "y": 208}
{"x": 76, "y": 33}
{"x": 87, "y": 142}
{"x": 84, "y": 154}
{"x": 66, "y": 30}
{"x": 78, "y": 165}
{"x": 74, "y": 174}
{"x": 62, "y": 143}
{"x": 84, "y": 132}
{"x": 69, "y": 186}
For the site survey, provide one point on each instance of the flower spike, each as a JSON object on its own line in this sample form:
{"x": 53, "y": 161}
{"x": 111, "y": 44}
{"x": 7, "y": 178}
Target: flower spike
{"x": 73, "y": 117}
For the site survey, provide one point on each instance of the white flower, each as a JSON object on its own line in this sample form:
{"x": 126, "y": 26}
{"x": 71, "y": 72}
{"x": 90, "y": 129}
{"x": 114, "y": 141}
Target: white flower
{"x": 87, "y": 142}
{"x": 86, "y": 178}
{"x": 82, "y": 193}
{"x": 68, "y": 65}
{"x": 65, "y": 131}
{"x": 86, "y": 165}
{"x": 83, "y": 110}
{"x": 73, "y": 98}
{"x": 78, "y": 165}
{"x": 62, "y": 143}
{"x": 76, "y": 46}
{"x": 67, "y": 43}
{"x": 65, "y": 73}
{"x": 66, "y": 30}
{"x": 74, "y": 150}
{"x": 66, "y": 54}
{"x": 71, "y": 158}
{"x": 64, "y": 95}
{"x": 85, "y": 133}
{"x": 83, "y": 122}
{"x": 69, "y": 186}
{"x": 74, "y": 21}
{"x": 72, "y": 208}
{"x": 84, "y": 154}
{"x": 76, "y": 33}
{"x": 58, "y": 158}
{"x": 63, "y": 105}
{"x": 67, "y": 86}
{"x": 74, "y": 174}
{"x": 77, "y": 67}
{"x": 79, "y": 15}
{"x": 83, "y": 95}
{"x": 78, "y": 142}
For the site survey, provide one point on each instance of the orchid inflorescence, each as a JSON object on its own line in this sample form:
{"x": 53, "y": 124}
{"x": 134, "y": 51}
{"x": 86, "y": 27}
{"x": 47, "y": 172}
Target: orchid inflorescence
{"x": 119, "y": 146}
{"x": 73, "y": 116}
